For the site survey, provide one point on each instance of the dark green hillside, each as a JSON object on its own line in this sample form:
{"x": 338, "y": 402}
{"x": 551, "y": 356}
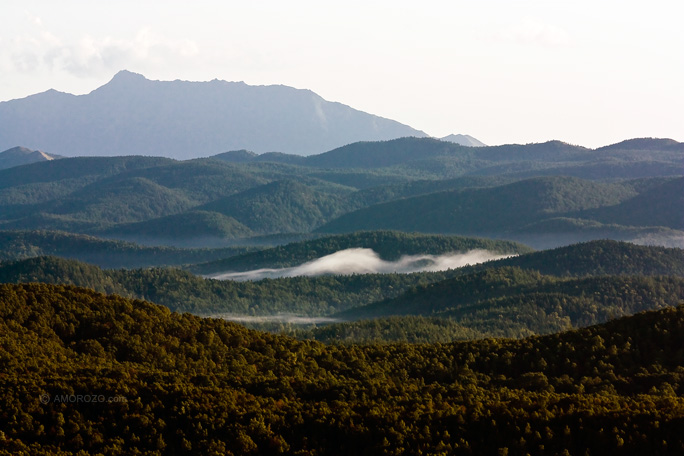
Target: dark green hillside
{"x": 106, "y": 253}
{"x": 485, "y": 210}
{"x": 78, "y": 168}
{"x": 236, "y": 156}
{"x": 160, "y": 383}
{"x": 383, "y": 154}
{"x": 645, "y": 144}
{"x": 276, "y": 193}
{"x": 201, "y": 180}
{"x": 87, "y": 195}
{"x": 182, "y": 291}
{"x": 511, "y": 302}
{"x": 185, "y": 226}
{"x": 384, "y": 193}
{"x": 661, "y": 205}
{"x": 390, "y": 245}
{"x": 550, "y": 151}
{"x": 604, "y": 257}
{"x": 279, "y": 207}
{"x": 121, "y": 201}
{"x": 313, "y": 296}
{"x": 407, "y": 329}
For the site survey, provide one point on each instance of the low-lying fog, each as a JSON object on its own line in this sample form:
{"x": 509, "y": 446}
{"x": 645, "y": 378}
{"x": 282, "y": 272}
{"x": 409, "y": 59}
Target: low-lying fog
{"x": 366, "y": 261}
{"x": 279, "y": 318}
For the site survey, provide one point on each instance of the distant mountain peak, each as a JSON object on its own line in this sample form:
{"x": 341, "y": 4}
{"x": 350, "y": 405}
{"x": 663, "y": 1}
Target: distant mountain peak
{"x": 463, "y": 140}
{"x": 125, "y": 75}
{"x": 132, "y": 115}
{"x": 23, "y": 156}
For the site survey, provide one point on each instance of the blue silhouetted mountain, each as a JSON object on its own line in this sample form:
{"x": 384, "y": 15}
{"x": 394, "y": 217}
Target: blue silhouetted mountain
{"x": 132, "y": 115}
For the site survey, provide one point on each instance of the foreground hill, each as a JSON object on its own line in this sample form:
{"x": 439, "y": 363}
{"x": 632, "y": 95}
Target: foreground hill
{"x": 180, "y": 119}
{"x": 204, "y": 386}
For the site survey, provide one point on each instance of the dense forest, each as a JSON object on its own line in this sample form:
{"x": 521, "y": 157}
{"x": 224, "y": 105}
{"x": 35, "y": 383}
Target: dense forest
{"x": 533, "y": 293}
{"x": 516, "y": 192}
{"x": 512, "y": 302}
{"x": 106, "y": 253}
{"x": 574, "y": 349}
{"x": 83, "y": 373}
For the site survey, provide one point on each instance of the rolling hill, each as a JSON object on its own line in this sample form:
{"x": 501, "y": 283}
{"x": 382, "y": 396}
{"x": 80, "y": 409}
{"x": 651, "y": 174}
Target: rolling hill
{"x": 563, "y": 208}
{"x": 409, "y": 184}
{"x": 325, "y": 295}
{"x": 106, "y": 253}
{"x": 511, "y": 302}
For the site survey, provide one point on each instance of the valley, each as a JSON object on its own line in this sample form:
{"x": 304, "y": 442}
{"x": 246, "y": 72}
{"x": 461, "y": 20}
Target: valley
{"x": 236, "y": 302}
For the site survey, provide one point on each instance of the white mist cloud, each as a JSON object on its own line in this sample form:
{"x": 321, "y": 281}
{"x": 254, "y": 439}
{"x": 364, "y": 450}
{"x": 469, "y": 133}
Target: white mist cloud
{"x": 366, "y": 261}
{"x": 278, "y": 318}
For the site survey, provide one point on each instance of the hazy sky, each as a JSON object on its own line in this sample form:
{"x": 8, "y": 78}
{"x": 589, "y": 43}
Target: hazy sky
{"x": 585, "y": 72}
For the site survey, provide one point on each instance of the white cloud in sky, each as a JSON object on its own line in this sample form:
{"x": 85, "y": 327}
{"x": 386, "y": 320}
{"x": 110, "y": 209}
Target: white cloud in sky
{"x": 590, "y": 73}
{"x": 86, "y": 56}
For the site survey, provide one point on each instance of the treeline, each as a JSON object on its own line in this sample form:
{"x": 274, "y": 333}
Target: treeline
{"x": 161, "y": 383}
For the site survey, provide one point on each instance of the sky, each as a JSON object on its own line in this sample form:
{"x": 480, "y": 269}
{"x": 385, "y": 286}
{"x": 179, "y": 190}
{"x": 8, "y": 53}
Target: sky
{"x": 590, "y": 73}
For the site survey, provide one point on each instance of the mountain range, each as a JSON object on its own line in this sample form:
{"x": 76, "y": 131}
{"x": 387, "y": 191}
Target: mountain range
{"x": 544, "y": 195}
{"x": 132, "y": 115}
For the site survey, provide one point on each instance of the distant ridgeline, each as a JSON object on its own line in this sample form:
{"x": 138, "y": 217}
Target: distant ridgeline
{"x": 198, "y": 118}
{"x": 84, "y": 373}
{"x": 544, "y": 195}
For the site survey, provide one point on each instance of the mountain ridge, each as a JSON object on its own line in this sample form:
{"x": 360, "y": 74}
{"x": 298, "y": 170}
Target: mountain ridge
{"x": 181, "y": 119}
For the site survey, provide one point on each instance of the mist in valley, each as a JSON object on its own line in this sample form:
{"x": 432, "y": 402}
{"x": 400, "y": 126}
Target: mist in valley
{"x": 366, "y": 261}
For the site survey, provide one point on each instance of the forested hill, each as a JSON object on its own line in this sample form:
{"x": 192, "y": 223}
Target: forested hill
{"x": 182, "y": 291}
{"x": 106, "y": 253}
{"x": 645, "y": 157}
{"x": 325, "y": 295}
{"x": 390, "y": 245}
{"x": 604, "y": 257}
{"x": 164, "y": 383}
{"x": 524, "y": 193}
{"x": 511, "y": 302}
{"x": 528, "y": 209}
